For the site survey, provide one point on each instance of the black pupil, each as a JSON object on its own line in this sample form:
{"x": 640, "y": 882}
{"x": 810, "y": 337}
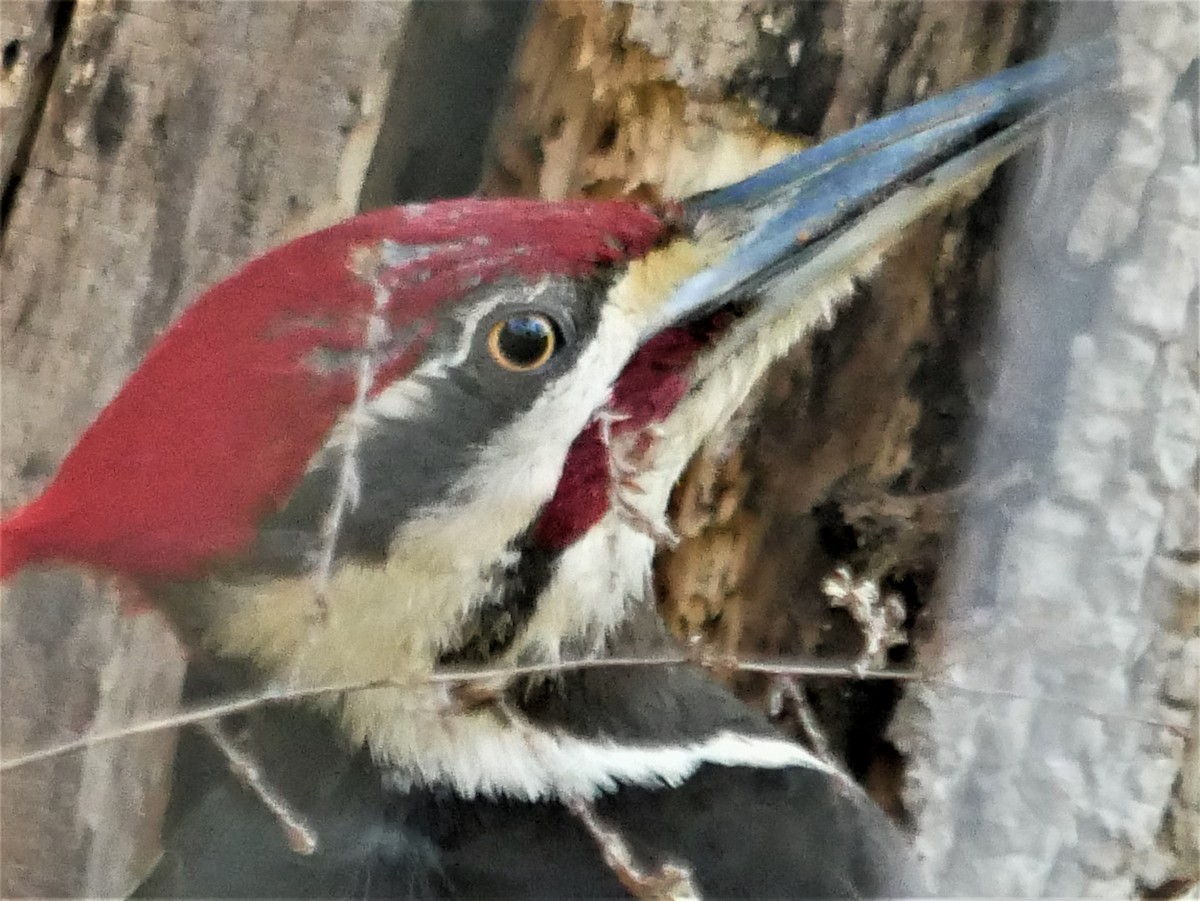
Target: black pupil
{"x": 523, "y": 340}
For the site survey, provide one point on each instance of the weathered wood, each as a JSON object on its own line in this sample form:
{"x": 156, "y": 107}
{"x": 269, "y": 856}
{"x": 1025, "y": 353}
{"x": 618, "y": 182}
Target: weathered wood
{"x": 176, "y": 141}
{"x": 447, "y": 83}
{"x": 26, "y": 40}
{"x": 593, "y": 114}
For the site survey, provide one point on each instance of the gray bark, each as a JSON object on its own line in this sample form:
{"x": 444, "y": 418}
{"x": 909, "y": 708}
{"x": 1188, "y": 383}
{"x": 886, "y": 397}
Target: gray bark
{"x": 174, "y": 142}
{"x": 1083, "y": 781}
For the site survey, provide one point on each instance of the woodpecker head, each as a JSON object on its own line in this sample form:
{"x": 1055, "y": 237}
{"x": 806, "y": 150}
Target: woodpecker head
{"x": 448, "y": 432}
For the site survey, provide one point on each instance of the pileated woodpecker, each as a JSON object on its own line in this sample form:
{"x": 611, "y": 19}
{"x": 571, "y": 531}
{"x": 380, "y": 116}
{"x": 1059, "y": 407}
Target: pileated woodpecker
{"x": 446, "y": 434}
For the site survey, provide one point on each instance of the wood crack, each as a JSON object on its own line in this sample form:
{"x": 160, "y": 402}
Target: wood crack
{"x": 59, "y": 16}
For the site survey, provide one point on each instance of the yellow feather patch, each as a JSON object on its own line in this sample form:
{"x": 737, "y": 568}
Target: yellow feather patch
{"x": 649, "y": 282}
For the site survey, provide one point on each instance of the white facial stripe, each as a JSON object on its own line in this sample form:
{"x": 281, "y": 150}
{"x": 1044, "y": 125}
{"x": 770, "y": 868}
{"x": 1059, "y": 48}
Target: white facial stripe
{"x": 597, "y": 576}
{"x": 517, "y": 472}
{"x": 534, "y": 765}
{"x": 471, "y": 318}
{"x": 397, "y": 618}
{"x": 408, "y": 398}
{"x": 595, "y": 580}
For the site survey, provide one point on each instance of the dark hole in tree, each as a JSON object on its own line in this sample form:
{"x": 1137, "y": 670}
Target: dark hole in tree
{"x": 608, "y": 137}
{"x": 11, "y": 53}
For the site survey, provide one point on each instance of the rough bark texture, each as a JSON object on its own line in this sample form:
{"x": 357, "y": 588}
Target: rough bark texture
{"x": 175, "y": 141}
{"x": 1081, "y": 597}
{"x": 27, "y": 50}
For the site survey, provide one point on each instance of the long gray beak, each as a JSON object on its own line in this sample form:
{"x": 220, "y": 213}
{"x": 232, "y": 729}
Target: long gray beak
{"x": 816, "y": 214}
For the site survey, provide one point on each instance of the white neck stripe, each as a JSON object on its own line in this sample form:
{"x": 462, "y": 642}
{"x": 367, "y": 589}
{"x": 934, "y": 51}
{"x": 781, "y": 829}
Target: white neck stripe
{"x": 534, "y": 765}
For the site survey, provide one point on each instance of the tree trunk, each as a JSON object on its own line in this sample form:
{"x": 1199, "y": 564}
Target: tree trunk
{"x": 1077, "y": 600}
{"x": 148, "y": 150}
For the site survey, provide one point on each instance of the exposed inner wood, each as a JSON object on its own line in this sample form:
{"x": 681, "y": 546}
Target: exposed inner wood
{"x": 855, "y": 443}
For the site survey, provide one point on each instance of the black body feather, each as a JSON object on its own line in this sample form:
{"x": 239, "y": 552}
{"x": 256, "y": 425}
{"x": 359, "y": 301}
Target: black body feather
{"x": 743, "y": 832}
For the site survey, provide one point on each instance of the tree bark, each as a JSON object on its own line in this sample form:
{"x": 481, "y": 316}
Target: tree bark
{"x": 149, "y": 149}
{"x": 1078, "y": 599}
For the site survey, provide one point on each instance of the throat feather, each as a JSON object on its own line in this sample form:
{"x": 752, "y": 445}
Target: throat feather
{"x": 495, "y": 626}
{"x": 653, "y": 383}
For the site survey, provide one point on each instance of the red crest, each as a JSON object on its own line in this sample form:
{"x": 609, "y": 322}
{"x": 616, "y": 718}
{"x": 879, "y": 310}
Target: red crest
{"x": 217, "y": 425}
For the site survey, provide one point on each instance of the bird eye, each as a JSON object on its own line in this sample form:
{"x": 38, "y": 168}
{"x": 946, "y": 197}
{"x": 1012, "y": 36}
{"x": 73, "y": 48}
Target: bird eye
{"x": 523, "y": 342}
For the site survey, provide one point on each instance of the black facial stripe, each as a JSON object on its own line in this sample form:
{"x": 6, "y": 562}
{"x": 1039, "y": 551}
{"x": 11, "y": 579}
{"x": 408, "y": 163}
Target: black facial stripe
{"x": 501, "y": 619}
{"x": 409, "y": 465}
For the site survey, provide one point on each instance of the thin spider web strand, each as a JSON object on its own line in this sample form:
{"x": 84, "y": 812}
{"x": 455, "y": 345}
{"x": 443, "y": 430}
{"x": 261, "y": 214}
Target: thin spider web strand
{"x": 765, "y": 666}
{"x": 284, "y": 693}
